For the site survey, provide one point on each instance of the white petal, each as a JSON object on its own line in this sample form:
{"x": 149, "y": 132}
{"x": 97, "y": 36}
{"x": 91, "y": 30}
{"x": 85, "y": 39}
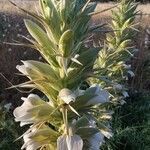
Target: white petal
{"x": 24, "y": 123}
{"x": 27, "y": 64}
{"x": 74, "y": 142}
{"x": 28, "y": 143}
{"x": 27, "y": 113}
{"x": 34, "y": 96}
{"x": 24, "y": 116}
{"x": 22, "y": 69}
{"x": 76, "y": 61}
{"x": 61, "y": 143}
{"x": 102, "y": 97}
{"x": 19, "y": 111}
{"x": 67, "y": 95}
{"x": 31, "y": 145}
{"x": 66, "y": 142}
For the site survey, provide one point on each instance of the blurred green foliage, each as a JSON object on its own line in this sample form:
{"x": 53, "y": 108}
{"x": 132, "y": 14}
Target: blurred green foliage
{"x": 9, "y": 130}
{"x": 131, "y": 124}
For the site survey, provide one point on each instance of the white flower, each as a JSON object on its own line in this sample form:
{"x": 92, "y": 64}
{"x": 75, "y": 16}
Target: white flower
{"x": 69, "y": 142}
{"x": 30, "y": 144}
{"x": 67, "y": 95}
{"x": 32, "y": 110}
{"x": 101, "y": 96}
{"x": 23, "y": 68}
{"x": 38, "y": 137}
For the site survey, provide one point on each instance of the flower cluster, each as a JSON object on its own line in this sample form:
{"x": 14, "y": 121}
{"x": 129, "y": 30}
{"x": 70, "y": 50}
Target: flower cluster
{"x": 40, "y": 114}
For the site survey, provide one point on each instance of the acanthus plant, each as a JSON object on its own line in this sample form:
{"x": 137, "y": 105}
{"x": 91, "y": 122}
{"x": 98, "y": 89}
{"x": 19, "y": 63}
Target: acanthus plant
{"x": 67, "y": 117}
{"x": 112, "y": 65}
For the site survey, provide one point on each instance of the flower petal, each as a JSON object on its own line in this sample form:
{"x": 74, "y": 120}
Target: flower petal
{"x": 34, "y": 110}
{"x": 101, "y": 96}
{"x": 61, "y": 143}
{"x": 67, "y": 95}
{"x": 67, "y": 142}
{"x": 74, "y": 142}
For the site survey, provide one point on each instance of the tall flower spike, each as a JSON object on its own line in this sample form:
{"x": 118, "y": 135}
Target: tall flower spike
{"x": 35, "y": 110}
{"x": 59, "y": 33}
{"x": 111, "y": 63}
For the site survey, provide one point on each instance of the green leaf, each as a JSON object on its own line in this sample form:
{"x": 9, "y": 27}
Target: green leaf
{"x": 81, "y": 101}
{"x": 39, "y": 35}
{"x": 86, "y": 132}
{"x": 87, "y": 58}
{"x": 43, "y": 76}
{"x": 51, "y": 15}
{"x": 45, "y": 135}
{"x": 82, "y": 122}
{"x": 66, "y": 43}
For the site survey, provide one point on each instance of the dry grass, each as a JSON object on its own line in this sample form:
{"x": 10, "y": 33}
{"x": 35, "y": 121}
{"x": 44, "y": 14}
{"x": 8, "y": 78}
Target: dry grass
{"x": 7, "y": 7}
{"x": 32, "y": 5}
{"x": 105, "y": 16}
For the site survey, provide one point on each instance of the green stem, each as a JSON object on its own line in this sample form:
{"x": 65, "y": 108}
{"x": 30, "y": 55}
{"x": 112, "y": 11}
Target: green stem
{"x": 65, "y": 118}
{"x": 67, "y": 126}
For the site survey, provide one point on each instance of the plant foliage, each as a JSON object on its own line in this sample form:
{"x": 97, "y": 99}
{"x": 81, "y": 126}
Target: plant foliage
{"x": 67, "y": 117}
{"x": 112, "y": 65}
